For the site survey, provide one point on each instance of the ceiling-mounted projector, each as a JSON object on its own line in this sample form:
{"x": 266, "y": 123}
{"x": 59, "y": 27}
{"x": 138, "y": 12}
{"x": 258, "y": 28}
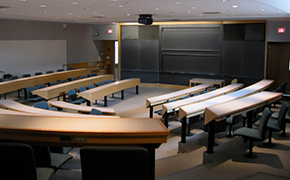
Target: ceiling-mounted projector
{"x": 145, "y": 19}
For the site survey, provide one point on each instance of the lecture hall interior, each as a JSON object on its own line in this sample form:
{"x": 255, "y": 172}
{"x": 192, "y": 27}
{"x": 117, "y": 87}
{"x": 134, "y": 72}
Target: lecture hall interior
{"x": 133, "y": 90}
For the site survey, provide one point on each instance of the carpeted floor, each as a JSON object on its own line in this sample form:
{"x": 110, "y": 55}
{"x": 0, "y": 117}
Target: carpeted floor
{"x": 189, "y": 161}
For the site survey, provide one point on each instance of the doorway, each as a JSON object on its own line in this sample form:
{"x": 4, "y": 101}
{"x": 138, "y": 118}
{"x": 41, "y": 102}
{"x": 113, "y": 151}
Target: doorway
{"x": 112, "y": 58}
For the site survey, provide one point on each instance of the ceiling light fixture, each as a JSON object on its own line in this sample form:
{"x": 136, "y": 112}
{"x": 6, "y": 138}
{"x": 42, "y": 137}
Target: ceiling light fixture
{"x": 43, "y": 6}
{"x": 235, "y": 6}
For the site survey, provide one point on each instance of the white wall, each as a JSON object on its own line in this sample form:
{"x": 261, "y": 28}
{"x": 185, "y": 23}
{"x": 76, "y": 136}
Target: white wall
{"x": 19, "y": 57}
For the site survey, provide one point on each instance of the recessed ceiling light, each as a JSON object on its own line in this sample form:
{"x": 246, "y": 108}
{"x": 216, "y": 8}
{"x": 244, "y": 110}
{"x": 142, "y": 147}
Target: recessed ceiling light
{"x": 22, "y": 0}
{"x": 120, "y": 6}
{"x": 157, "y": 9}
{"x": 69, "y": 14}
{"x": 235, "y": 6}
{"x": 193, "y": 7}
{"x": 178, "y": 2}
{"x": 128, "y": 14}
{"x": 224, "y": 1}
{"x": 140, "y": 9}
{"x": 188, "y": 11}
{"x": 262, "y": 9}
{"x": 75, "y": 3}
{"x": 42, "y": 6}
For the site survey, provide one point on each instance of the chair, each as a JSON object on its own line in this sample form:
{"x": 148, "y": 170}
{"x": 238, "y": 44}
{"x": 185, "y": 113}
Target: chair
{"x": 38, "y": 73}
{"x": 32, "y": 97}
{"x": 45, "y": 158}
{"x": 94, "y": 74}
{"x": 275, "y": 115}
{"x": 74, "y": 78}
{"x": 53, "y": 83}
{"x": 41, "y": 86}
{"x": 63, "y": 81}
{"x": 234, "y": 81}
{"x": 277, "y": 125}
{"x": 106, "y": 163}
{"x": 82, "y": 88}
{"x": 49, "y": 72}
{"x": 18, "y": 162}
{"x": 90, "y": 86}
{"x": 109, "y": 81}
{"x": 232, "y": 121}
{"x": 44, "y": 105}
{"x": 59, "y": 70}
{"x": 6, "y": 76}
{"x": 254, "y": 134}
{"x": 26, "y": 75}
{"x": 72, "y": 97}
{"x": 96, "y": 112}
{"x": 101, "y": 83}
{"x": 282, "y": 89}
{"x": 84, "y": 76}
{"x": 13, "y": 77}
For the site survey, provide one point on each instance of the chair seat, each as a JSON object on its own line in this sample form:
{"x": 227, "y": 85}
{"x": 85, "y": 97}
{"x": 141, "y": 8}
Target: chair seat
{"x": 276, "y": 114}
{"x": 246, "y": 132}
{"x": 273, "y": 125}
{"x": 58, "y": 159}
{"x": 44, "y": 173}
{"x": 79, "y": 101}
{"x": 36, "y": 99}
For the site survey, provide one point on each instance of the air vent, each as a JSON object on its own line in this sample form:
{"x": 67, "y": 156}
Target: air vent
{"x": 211, "y": 13}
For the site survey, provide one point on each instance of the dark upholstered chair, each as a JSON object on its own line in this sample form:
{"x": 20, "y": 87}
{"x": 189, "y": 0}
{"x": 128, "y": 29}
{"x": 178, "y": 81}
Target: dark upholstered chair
{"x": 109, "y": 81}
{"x": 94, "y": 74}
{"x": 107, "y": 163}
{"x": 254, "y": 134}
{"x": 276, "y": 125}
{"x": 82, "y": 88}
{"x": 232, "y": 121}
{"x": 53, "y": 83}
{"x": 45, "y": 158}
{"x": 44, "y": 105}
{"x": 32, "y": 97}
{"x": 63, "y": 81}
{"x": 18, "y": 162}
{"x": 59, "y": 70}
{"x": 74, "y": 78}
{"x": 90, "y": 86}
{"x": 26, "y": 75}
{"x": 84, "y": 76}
{"x": 38, "y": 73}
{"x": 41, "y": 86}
{"x": 49, "y": 72}
{"x": 73, "y": 98}
{"x": 101, "y": 83}
{"x": 275, "y": 115}
{"x": 96, "y": 112}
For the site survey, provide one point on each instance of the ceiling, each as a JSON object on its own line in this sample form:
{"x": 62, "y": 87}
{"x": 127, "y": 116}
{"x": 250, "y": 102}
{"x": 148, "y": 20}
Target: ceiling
{"x": 115, "y": 11}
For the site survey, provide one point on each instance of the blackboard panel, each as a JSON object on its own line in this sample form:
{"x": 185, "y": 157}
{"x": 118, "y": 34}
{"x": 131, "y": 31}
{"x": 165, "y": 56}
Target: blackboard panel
{"x": 191, "y": 38}
{"x": 234, "y": 32}
{"x": 233, "y": 58}
{"x": 254, "y": 59}
{"x": 255, "y": 32}
{"x": 145, "y": 77}
{"x": 203, "y": 65}
{"x": 149, "y": 54}
{"x": 130, "y": 54}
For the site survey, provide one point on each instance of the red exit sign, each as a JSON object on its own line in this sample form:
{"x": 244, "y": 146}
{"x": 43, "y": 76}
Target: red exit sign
{"x": 110, "y": 31}
{"x": 281, "y": 30}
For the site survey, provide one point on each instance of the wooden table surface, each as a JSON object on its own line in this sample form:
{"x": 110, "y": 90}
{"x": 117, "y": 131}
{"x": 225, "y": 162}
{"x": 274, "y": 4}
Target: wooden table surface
{"x": 198, "y": 108}
{"x": 219, "y": 82}
{"x": 174, "y": 106}
{"x": 13, "y": 85}
{"x": 107, "y": 89}
{"x": 16, "y": 106}
{"x": 164, "y": 98}
{"x": 63, "y": 88}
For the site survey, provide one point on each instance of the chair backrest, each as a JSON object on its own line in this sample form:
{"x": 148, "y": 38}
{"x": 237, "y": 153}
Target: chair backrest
{"x": 28, "y": 91}
{"x": 105, "y": 163}
{"x": 74, "y": 78}
{"x": 101, "y": 83}
{"x": 53, "y": 83}
{"x": 60, "y": 70}
{"x": 13, "y": 77}
{"x": 38, "y": 73}
{"x": 84, "y": 76}
{"x": 63, "y": 80}
{"x": 41, "y": 86}
{"x": 26, "y": 75}
{"x": 282, "y": 87}
{"x": 82, "y": 88}
{"x": 90, "y": 86}
{"x": 96, "y": 112}
{"x": 41, "y": 104}
{"x": 109, "y": 81}
{"x": 72, "y": 95}
{"x": 263, "y": 122}
{"x": 50, "y": 71}
{"x": 17, "y": 161}
{"x": 1, "y": 80}
{"x": 282, "y": 114}
{"x": 91, "y": 75}
{"x": 234, "y": 81}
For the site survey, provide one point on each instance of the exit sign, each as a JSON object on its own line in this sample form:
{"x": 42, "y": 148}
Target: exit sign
{"x": 281, "y": 30}
{"x": 110, "y": 31}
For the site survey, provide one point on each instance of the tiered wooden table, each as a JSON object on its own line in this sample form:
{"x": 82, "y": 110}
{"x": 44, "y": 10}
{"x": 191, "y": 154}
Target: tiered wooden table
{"x": 195, "y": 81}
{"x": 165, "y": 98}
{"x": 62, "y": 89}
